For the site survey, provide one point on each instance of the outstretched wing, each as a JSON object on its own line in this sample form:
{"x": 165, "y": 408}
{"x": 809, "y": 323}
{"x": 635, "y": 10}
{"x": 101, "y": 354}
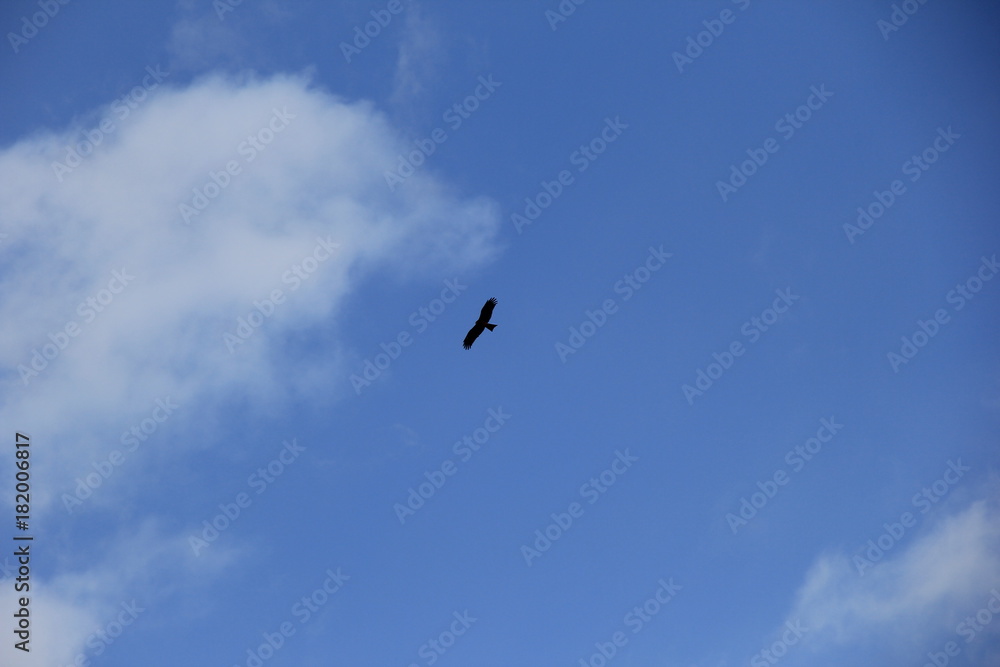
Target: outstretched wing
{"x": 473, "y": 334}
{"x": 487, "y": 312}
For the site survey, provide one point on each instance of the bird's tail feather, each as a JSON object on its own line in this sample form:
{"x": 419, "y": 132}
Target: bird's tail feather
{"x": 491, "y": 327}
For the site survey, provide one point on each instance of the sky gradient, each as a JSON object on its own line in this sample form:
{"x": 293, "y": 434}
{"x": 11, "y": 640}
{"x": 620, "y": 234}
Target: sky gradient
{"x": 740, "y": 407}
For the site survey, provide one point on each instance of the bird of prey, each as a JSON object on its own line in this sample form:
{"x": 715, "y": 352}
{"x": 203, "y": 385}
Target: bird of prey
{"x": 481, "y": 324}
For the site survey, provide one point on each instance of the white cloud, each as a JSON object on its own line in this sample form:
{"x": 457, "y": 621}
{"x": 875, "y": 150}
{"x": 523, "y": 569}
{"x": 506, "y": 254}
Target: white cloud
{"x": 918, "y": 593}
{"x": 319, "y": 177}
{"x": 86, "y": 607}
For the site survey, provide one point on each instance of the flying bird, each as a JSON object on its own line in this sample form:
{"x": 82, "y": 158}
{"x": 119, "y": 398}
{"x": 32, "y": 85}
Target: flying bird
{"x": 481, "y": 324}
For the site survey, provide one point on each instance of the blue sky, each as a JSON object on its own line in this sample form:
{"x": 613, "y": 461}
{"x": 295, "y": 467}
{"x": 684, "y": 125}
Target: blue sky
{"x": 724, "y": 418}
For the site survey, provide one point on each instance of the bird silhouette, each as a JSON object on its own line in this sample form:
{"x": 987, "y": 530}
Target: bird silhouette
{"x": 481, "y": 324}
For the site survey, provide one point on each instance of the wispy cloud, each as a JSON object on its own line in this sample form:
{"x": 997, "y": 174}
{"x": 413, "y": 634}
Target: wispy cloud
{"x": 162, "y": 335}
{"x": 79, "y": 611}
{"x": 201, "y": 40}
{"x": 420, "y": 55}
{"x": 914, "y": 597}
